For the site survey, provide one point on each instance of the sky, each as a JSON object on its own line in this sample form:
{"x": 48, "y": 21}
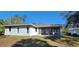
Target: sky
{"x": 44, "y": 17}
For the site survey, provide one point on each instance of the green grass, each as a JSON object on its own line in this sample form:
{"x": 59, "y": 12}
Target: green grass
{"x": 31, "y": 43}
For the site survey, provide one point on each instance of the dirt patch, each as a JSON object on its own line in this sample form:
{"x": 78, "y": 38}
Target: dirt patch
{"x": 8, "y": 41}
{"x": 69, "y": 41}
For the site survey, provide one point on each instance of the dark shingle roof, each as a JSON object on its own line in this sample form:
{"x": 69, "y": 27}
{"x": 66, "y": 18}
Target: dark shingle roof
{"x": 36, "y": 25}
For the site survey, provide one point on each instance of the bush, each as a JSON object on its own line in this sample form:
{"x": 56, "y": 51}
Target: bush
{"x": 65, "y": 30}
{"x": 1, "y": 30}
{"x": 31, "y": 43}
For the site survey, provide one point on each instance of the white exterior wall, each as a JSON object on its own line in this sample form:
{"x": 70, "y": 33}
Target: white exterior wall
{"x": 74, "y": 31}
{"x": 61, "y": 31}
{"x": 33, "y": 32}
{"x": 22, "y": 31}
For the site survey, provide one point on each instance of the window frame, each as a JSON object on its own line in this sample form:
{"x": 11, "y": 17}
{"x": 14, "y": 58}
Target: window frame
{"x": 9, "y": 29}
{"x": 27, "y": 29}
{"x": 35, "y": 29}
{"x": 17, "y": 29}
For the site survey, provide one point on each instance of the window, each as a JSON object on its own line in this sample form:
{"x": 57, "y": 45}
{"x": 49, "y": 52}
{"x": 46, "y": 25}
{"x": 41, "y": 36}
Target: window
{"x": 17, "y": 29}
{"x": 39, "y": 31}
{"x": 27, "y": 29}
{"x": 9, "y": 28}
{"x": 35, "y": 29}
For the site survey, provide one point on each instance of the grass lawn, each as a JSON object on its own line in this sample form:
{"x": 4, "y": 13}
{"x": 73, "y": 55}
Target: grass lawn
{"x": 36, "y": 41}
{"x": 69, "y": 41}
{"x": 8, "y": 41}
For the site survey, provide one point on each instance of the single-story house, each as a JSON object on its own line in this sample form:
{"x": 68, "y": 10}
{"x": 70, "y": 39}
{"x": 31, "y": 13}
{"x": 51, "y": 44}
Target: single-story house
{"x": 31, "y": 29}
{"x": 73, "y": 24}
{"x": 73, "y": 30}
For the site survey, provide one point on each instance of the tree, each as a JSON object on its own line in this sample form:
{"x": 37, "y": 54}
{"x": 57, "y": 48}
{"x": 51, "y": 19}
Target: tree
{"x": 17, "y": 19}
{"x": 72, "y": 17}
{"x": 2, "y": 22}
{"x": 1, "y": 29}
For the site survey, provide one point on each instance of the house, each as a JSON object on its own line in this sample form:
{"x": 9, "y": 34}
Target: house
{"x": 73, "y": 30}
{"x": 73, "y": 25}
{"x": 32, "y": 30}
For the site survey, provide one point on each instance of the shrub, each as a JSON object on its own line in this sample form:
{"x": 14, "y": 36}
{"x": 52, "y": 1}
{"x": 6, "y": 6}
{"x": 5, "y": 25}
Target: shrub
{"x": 1, "y": 30}
{"x": 31, "y": 43}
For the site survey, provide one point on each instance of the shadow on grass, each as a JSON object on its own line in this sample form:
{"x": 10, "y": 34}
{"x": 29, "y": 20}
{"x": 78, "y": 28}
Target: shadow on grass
{"x": 53, "y": 37}
{"x": 69, "y": 42}
{"x": 65, "y": 37}
{"x": 73, "y": 35}
{"x": 31, "y": 43}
